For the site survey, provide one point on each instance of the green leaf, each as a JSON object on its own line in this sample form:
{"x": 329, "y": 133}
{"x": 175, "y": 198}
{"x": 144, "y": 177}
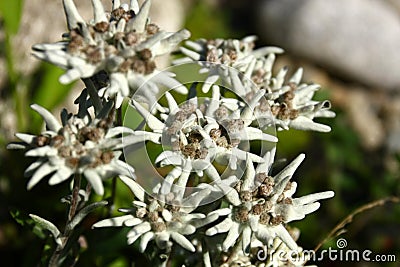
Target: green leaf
{"x": 11, "y": 12}
{"x": 47, "y": 225}
{"x": 19, "y": 217}
{"x": 27, "y": 221}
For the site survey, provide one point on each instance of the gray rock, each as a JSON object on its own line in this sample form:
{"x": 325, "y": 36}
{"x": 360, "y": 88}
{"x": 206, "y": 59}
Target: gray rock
{"x": 356, "y": 39}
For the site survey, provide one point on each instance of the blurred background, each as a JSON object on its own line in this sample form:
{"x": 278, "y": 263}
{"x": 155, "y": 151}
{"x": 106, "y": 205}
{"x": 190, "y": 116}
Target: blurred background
{"x": 350, "y": 47}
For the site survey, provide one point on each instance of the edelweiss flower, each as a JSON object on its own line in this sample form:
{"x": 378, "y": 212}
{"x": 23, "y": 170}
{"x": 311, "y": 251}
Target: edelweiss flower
{"x": 201, "y": 131}
{"x": 238, "y": 54}
{"x": 157, "y": 220}
{"x": 261, "y": 205}
{"x": 290, "y": 102}
{"x": 80, "y": 145}
{"x": 122, "y": 43}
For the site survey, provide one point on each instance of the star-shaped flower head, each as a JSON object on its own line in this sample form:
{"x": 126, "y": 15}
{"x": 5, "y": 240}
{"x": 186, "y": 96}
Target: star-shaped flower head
{"x": 164, "y": 219}
{"x": 123, "y": 44}
{"x": 215, "y": 55}
{"x": 290, "y": 101}
{"x": 81, "y": 144}
{"x": 261, "y": 205}
{"x": 203, "y": 131}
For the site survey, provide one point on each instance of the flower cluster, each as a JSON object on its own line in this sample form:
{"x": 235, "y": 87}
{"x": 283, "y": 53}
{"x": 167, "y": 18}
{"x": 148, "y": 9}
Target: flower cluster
{"x": 201, "y": 131}
{"x": 261, "y": 205}
{"x": 170, "y": 218}
{"x": 218, "y": 145}
{"x": 289, "y": 100}
{"x": 122, "y": 43}
{"x": 80, "y": 145}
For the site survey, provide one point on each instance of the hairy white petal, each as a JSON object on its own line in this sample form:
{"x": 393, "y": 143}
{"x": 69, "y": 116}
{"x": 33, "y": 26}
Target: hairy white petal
{"x": 248, "y": 180}
{"x": 251, "y": 133}
{"x": 27, "y": 138}
{"x": 98, "y": 9}
{"x": 136, "y": 189}
{"x": 72, "y": 14}
{"x": 181, "y": 240}
{"x": 41, "y": 172}
{"x": 172, "y": 105}
{"x": 193, "y": 201}
{"x": 166, "y": 215}
{"x": 232, "y": 237}
{"x": 113, "y": 222}
{"x": 138, "y": 23}
{"x": 166, "y": 80}
{"x": 284, "y": 235}
{"x": 154, "y": 123}
{"x": 162, "y": 240}
{"x": 187, "y": 52}
{"x": 60, "y": 176}
{"x": 169, "y": 179}
{"x": 134, "y": 5}
{"x": 313, "y": 197}
{"x": 306, "y": 124}
{"x": 222, "y": 227}
{"x": 289, "y": 169}
{"x": 137, "y": 231}
{"x": 95, "y": 180}
{"x": 230, "y": 194}
{"x": 166, "y": 45}
{"x": 51, "y": 122}
{"x": 132, "y": 222}
{"x": 112, "y": 132}
{"x": 145, "y": 240}
{"x": 115, "y": 4}
{"x": 212, "y": 173}
{"x": 210, "y": 80}
{"x": 296, "y": 78}
{"x": 263, "y": 51}
{"x": 31, "y": 169}
{"x": 268, "y": 161}
{"x": 221, "y": 212}
{"x": 246, "y": 239}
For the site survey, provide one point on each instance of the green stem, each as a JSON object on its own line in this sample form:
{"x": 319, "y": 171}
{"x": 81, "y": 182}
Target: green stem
{"x": 75, "y": 197}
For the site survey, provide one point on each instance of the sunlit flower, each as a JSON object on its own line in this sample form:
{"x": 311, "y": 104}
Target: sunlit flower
{"x": 290, "y": 101}
{"x": 80, "y": 145}
{"x": 164, "y": 221}
{"x": 215, "y": 55}
{"x": 261, "y": 205}
{"x": 202, "y": 131}
{"x": 123, "y": 43}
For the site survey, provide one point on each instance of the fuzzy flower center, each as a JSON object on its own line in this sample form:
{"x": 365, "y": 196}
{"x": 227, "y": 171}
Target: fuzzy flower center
{"x": 121, "y": 44}
{"x": 186, "y": 138}
{"x": 78, "y": 146}
{"x": 260, "y": 202}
